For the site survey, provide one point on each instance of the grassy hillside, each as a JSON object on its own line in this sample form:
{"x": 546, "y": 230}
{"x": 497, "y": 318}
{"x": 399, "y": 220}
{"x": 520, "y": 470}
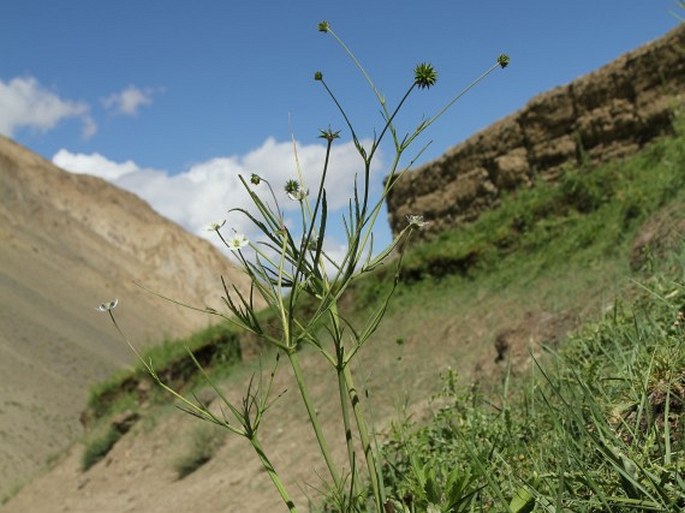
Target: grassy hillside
{"x": 590, "y": 424}
{"x": 596, "y": 425}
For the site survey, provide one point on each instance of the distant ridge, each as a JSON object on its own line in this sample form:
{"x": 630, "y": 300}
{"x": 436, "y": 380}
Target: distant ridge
{"x": 67, "y": 243}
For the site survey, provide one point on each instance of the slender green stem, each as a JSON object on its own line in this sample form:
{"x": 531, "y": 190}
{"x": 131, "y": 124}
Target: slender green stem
{"x": 342, "y": 391}
{"x": 285, "y": 317}
{"x": 352, "y": 56}
{"x": 345, "y": 408}
{"x": 342, "y": 111}
{"x": 363, "y": 430}
{"x": 379, "y": 96}
{"x": 275, "y": 479}
{"x": 360, "y": 247}
{"x": 264, "y": 256}
{"x": 348, "y": 392}
{"x": 311, "y": 231}
{"x": 388, "y": 124}
{"x": 313, "y": 418}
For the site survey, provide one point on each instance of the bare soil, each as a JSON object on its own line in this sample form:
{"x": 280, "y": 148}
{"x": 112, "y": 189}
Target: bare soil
{"x": 67, "y": 243}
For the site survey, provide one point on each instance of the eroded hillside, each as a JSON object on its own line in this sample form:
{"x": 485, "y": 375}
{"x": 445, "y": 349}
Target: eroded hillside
{"x": 67, "y": 243}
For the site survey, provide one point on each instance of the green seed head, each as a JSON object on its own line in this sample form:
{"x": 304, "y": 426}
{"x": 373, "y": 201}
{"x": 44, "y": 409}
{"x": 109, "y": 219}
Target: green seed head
{"x": 292, "y": 186}
{"x": 329, "y": 134}
{"x": 503, "y": 60}
{"x": 324, "y": 26}
{"x": 295, "y": 191}
{"x": 425, "y": 75}
{"x": 318, "y": 75}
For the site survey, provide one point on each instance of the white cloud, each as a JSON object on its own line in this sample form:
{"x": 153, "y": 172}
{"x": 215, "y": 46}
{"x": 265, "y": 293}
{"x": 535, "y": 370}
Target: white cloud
{"x": 93, "y": 164}
{"x": 206, "y": 191}
{"x": 275, "y": 161}
{"x": 128, "y": 101}
{"x": 24, "y": 103}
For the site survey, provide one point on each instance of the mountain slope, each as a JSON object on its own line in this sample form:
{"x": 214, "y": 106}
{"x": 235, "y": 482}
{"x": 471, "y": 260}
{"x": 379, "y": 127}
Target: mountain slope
{"x": 67, "y": 243}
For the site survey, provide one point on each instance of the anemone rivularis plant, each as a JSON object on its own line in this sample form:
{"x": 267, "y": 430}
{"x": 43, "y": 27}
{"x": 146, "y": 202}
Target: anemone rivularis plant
{"x": 287, "y": 265}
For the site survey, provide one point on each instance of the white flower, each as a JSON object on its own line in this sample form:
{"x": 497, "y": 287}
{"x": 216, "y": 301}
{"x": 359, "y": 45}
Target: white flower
{"x": 215, "y": 227}
{"x": 237, "y": 241}
{"x": 107, "y": 307}
{"x": 416, "y": 220}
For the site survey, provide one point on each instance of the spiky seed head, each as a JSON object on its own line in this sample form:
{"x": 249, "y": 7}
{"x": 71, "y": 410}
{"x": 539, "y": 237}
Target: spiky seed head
{"x": 295, "y": 191}
{"x": 329, "y": 135}
{"x": 425, "y": 75}
{"x": 503, "y": 60}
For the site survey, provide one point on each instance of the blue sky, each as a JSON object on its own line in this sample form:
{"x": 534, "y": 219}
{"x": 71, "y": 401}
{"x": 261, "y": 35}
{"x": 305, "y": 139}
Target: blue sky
{"x": 172, "y": 99}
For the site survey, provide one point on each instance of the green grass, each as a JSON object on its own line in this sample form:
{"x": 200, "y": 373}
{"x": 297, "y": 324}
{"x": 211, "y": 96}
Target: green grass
{"x": 216, "y": 347}
{"x": 583, "y": 226}
{"x": 597, "y": 426}
{"x": 99, "y": 446}
{"x": 591, "y": 213}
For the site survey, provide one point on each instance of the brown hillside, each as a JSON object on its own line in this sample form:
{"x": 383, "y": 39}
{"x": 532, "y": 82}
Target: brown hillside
{"x": 67, "y": 243}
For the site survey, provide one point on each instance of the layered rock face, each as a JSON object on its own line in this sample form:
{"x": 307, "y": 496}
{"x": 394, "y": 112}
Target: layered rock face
{"x": 607, "y": 114}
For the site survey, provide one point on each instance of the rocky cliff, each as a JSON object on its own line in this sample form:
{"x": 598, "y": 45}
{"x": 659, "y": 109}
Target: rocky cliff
{"x": 609, "y": 113}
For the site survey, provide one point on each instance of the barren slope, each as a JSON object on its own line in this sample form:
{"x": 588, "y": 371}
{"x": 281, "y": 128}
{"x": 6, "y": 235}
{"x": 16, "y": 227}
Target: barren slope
{"x": 67, "y": 243}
